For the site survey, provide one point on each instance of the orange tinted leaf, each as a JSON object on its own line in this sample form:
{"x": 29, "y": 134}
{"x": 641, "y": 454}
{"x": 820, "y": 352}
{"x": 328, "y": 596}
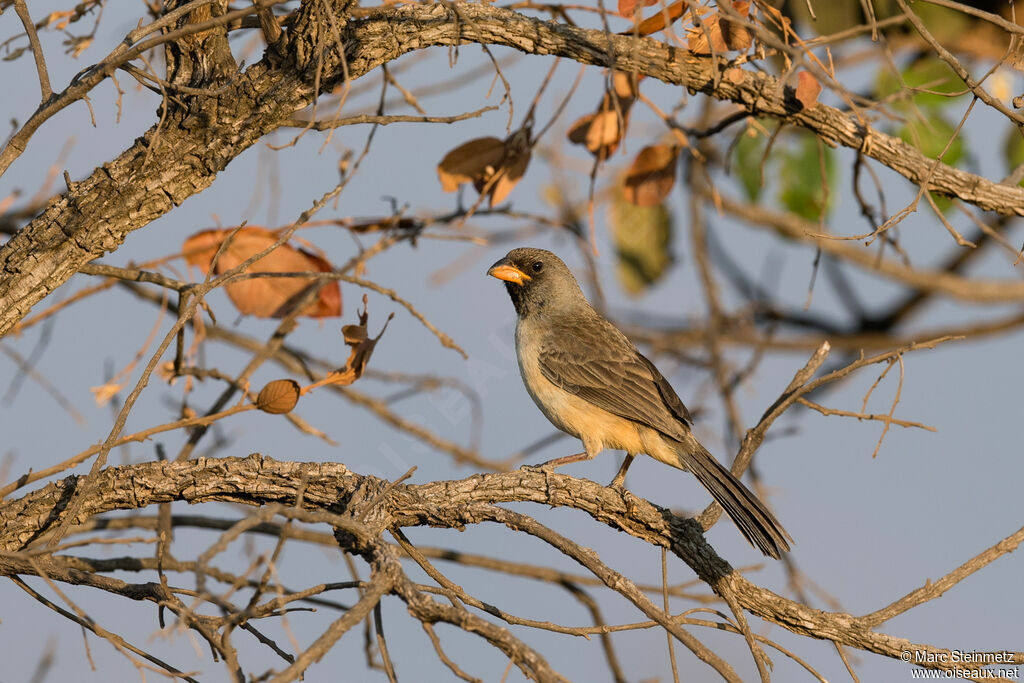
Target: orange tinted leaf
{"x": 200, "y": 248}
{"x": 600, "y": 133}
{"x": 604, "y": 132}
{"x": 697, "y": 40}
{"x": 622, "y": 84}
{"x": 628, "y": 7}
{"x": 470, "y": 161}
{"x": 104, "y": 392}
{"x": 735, "y": 36}
{"x": 354, "y": 334}
{"x": 577, "y": 134}
{"x": 362, "y": 345}
{"x": 724, "y": 35}
{"x": 328, "y": 303}
{"x": 657, "y": 21}
{"x": 652, "y": 175}
{"x": 501, "y": 182}
{"x": 264, "y": 297}
{"x": 807, "y": 89}
{"x": 509, "y": 178}
{"x": 278, "y": 397}
{"x": 494, "y": 166}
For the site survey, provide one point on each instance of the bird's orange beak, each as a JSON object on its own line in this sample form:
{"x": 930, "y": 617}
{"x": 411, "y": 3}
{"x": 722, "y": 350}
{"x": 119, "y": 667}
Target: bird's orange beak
{"x": 503, "y": 270}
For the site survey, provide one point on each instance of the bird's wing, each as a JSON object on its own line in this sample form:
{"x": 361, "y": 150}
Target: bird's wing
{"x": 596, "y": 362}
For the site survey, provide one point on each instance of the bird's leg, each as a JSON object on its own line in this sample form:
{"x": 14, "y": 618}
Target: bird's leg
{"x": 620, "y": 478}
{"x": 564, "y": 460}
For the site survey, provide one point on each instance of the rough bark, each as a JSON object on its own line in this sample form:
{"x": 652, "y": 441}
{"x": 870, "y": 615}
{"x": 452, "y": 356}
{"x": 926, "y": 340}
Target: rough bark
{"x": 332, "y": 488}
{"x": 182, "y": 156}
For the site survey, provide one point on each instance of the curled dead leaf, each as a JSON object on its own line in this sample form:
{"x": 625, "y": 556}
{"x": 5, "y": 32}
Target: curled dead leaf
{"x": 362, "y": 345}
{"x": 718, "y": 32}
{"x": 807, "y": 89}
{"x": 602, "y": 131}
{"x": 511, "y": 171}
{"x": 103, "y": 393}
{"x": 265, "y": 297}
{"x": 625, "y": 85}
{"x": 627, "y": 8}
{"x": 278, "y": 397}
{"x": 494, "y": 166}
{"x": 477, "y": 158}
{"x": 659, "y": 20}
{"x": 165, "y": 371}
{"x": 651, "y": 176}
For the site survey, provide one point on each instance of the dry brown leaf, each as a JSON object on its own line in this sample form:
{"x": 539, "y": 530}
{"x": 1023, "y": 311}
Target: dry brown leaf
{"x": 494, "y": 166}
{"x": 577, "y": 134}
{"x": 278, "y": 397}
{"x": 651, "y": 176}
{"x": 600, "y": 133}
{"x": 79, "y": 45}
{"x": 59, "y": 19}
{"x": 104, "y": 392}
{"x": 736, "y": 36}
{"x": 724, "y": 35}
{"x": 659, "y": 20}
{"x": 509, "y": 178}
{"x": 513, "y": 165}
{"x": 623, "y": 85}
{"x": 362, "y": 345}
{"x": 604, "y": 131}
{"x": 628, "y": 7}
{"x": 265, "y": 297}
{"x": 165, "y": 371}
{"x": 469, "y": 161}
{"x": 807, "y": 89}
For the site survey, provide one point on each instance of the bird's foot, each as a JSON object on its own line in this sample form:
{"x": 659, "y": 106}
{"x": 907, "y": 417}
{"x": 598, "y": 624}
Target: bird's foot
{"x": 618, "y": 483}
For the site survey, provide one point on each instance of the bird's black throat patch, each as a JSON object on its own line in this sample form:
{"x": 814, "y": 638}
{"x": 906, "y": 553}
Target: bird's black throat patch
{"x": 523, "y": 300}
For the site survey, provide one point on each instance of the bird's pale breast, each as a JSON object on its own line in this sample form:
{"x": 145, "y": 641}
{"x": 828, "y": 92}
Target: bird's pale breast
{"x": 596, "y": 427}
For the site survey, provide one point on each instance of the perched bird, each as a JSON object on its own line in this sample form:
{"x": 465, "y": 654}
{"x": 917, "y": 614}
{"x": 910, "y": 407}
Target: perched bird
{"x": 593, "y": 383}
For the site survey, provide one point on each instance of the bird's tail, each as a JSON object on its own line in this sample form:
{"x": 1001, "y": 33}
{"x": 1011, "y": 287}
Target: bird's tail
{"x": 746, "y": 510}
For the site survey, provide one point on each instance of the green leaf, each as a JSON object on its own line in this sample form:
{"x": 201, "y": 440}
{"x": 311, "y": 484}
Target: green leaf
{"x": 642, "y": 236}
{"x": 747, "y": 162}
{"x": 1014, "y": 150}
{"x": 930, "y": 136}
{"x": 942, "y": 202}
{"x": 803, "y": 188}
{"x": 930, "y": 73}
{"x": 946, "y": 24}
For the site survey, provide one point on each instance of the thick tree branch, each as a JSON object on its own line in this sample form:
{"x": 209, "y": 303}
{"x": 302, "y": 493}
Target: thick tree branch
{"x": 150, "y": 179}
{"x": 333, "y": 488}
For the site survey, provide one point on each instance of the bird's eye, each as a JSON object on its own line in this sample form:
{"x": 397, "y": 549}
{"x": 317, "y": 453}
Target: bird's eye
{"x": 537, "y": 266}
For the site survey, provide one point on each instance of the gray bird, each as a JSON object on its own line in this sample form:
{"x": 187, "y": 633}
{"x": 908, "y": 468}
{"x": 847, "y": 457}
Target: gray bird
{"x": 593, "y": 383}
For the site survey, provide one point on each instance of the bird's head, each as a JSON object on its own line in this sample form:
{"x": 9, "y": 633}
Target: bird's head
{"x": 538, "y": 281}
